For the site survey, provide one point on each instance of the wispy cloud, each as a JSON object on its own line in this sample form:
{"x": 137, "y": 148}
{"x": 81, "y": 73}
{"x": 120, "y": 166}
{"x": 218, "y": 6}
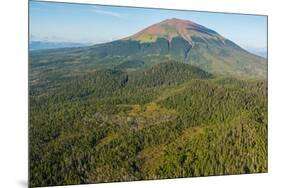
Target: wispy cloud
{"x": 109, "y": 13}
{"x": 35, "y": 8}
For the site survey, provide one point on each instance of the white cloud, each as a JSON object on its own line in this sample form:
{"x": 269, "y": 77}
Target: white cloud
{"x": 110, "y": 13}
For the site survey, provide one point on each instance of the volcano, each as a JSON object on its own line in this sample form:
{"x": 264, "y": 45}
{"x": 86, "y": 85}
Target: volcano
{"x": 174, "y": 39}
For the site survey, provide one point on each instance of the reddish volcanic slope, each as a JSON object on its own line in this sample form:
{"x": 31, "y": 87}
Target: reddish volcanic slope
{"x": 187, "y": 42}
{"x": 171, "y": 28}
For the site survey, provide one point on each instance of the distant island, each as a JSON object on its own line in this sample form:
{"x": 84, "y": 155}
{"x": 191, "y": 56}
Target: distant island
{"x": 43, "y": 45}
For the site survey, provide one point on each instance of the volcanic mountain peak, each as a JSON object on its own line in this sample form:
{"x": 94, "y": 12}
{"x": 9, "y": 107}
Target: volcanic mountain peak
{"x": 174, "y": 27}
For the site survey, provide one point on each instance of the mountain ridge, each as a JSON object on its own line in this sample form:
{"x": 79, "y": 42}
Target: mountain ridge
{"x": 171, "y": 39}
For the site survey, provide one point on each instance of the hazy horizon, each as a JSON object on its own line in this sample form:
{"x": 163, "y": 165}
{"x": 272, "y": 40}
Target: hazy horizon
{"x": 89, "y": 23}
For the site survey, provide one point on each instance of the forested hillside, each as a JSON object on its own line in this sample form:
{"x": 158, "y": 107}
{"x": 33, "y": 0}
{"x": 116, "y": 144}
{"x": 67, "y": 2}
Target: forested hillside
{"x": 167, "y": 121}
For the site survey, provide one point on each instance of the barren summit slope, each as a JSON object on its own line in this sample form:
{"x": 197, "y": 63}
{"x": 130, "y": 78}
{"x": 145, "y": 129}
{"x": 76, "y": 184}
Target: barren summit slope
{"x": 174, "y": 27}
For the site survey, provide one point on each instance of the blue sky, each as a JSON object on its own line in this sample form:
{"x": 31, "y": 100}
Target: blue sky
{"x": 96, "y": 24}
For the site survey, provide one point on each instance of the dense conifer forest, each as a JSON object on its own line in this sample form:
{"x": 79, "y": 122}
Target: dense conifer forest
{"x": 168, "y": 121}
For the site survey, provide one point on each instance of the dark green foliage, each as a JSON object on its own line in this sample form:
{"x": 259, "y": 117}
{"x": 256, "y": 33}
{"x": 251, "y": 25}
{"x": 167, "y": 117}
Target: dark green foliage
{"x": 179, "y": 48}
{"x": 131, "y": 64}
{"x": 120, "y": 47}
{"x": 212, "y": 103}
{"x": 160, "y": 46}
{"x": 167, "y": 121}
{"x": 167, "y": 74}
